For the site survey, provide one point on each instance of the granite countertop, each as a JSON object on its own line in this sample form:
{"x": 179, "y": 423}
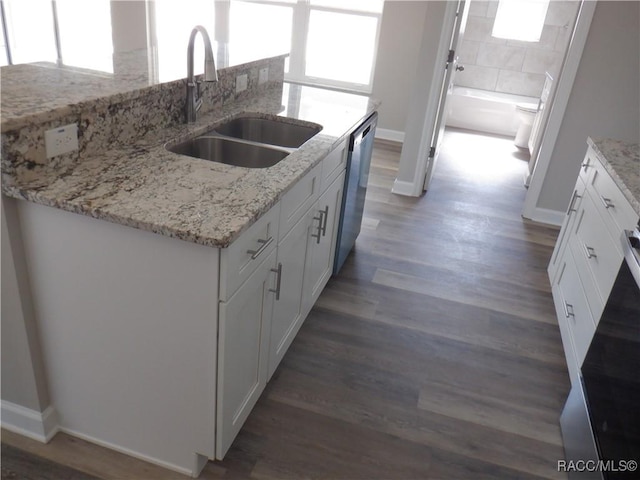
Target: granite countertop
{"x": 147, "y": 187}
{"x": 622, "y": 161}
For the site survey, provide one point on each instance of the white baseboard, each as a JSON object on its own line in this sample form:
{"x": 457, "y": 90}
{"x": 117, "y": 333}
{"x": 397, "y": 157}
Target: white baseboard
{"x": 546, "y": 216}
{"x": 403, "y": 188}
{"x": 40, "y": 426}
{"x": 392, "y": 135}
{"x": 192, "y": 471}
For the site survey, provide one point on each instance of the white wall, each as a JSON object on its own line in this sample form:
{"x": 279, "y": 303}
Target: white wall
{"x": 396, "y": 64}
{"x": 128, "y": 25}
{"x": 418, "y": 108}
{"x": 604, "y": 100}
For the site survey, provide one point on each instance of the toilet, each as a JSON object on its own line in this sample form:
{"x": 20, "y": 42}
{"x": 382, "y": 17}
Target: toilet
{"x": 526, "y": 113}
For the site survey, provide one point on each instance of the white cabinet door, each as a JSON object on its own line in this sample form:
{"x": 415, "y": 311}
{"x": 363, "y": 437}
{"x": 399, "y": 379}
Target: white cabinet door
{"x": 322, "y": 248}
{"x": 244, "y": 332}
{"x": 287, "y": 310}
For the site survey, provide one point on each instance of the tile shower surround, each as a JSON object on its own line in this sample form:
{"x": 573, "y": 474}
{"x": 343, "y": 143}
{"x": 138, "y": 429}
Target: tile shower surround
{"x": 112, "y": 112}
{"x": 511, "y": 66}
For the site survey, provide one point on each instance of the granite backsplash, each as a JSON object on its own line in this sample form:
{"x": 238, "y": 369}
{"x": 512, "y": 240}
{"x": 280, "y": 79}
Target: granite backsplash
{"x": 116, "y": 112}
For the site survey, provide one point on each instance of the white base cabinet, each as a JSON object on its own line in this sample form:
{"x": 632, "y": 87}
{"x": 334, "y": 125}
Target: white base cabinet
{"x": 587, "y": 257}
{"x": 160, "y": 348}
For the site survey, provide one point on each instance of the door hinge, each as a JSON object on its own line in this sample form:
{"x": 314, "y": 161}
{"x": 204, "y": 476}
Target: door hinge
{"x": 432, "y": 152}
{"x": 452, "y": 56}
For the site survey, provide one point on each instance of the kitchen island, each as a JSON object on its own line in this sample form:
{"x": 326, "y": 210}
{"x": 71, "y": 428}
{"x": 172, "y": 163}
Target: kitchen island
{"x": 154, "y": 346}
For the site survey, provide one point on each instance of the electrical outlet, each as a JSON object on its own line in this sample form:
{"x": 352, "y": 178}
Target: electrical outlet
{"x": 263, "y": 75}
{"x": 241, "y": 82}
{"x": 61, "y": 140}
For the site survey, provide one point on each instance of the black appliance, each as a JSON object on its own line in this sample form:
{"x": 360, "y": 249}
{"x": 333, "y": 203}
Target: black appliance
{"x": 601, "y": 419}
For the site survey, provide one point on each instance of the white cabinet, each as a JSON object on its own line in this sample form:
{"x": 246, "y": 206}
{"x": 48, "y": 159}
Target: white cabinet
{"x": 574, "y": 316}
{"x": 288, "y": 314}
{"x": 323, "y": 243}
{"x": 306, "y": 252}
{"x": 267, "y": 290}
{"x": 243, "y": 339}
{"x": 587, "y": 257}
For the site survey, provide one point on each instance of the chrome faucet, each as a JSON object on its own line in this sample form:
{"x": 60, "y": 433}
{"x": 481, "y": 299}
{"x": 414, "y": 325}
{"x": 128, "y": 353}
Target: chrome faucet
{"x": 194, "y": 99}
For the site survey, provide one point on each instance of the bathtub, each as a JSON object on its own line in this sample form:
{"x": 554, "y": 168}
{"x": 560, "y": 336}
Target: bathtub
{"x": 485, "y": 111}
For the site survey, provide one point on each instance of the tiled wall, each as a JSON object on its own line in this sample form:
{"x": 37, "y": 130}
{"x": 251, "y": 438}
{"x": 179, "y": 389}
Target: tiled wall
{"x": 512, "y": 66}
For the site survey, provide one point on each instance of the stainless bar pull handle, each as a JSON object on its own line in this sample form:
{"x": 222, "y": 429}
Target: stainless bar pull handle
{"x": 590, "y": 251}
{"x": 568, "y": 310}
{"x": 574, "y": 197}
{"x": 607, "y": 202}
{"x": 278, "y": 272}
{"x": 325, "y": 216}
{"x": 265, "y": 243}
{"x": 318, "y": 235}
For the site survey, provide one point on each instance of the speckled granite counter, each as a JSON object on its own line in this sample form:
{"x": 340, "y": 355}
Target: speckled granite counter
{"x": 144, "y": 186}
{"x": 622, "y": 161}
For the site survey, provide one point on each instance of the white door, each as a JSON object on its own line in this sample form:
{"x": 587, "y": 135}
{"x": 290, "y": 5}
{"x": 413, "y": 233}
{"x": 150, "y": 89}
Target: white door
{"x": 442, "y": 95}
{"x": 323, "y": 243}
{"x": 287, "y": 309}
{"x": 243, "y": 353}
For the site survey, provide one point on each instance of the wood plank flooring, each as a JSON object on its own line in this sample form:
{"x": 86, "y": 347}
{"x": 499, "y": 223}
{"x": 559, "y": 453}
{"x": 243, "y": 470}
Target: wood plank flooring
{"x": 434, "y": 354}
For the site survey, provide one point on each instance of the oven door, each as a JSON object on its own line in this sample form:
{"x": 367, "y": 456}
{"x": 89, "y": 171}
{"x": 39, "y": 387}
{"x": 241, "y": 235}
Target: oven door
{"x": 610, "y": 378}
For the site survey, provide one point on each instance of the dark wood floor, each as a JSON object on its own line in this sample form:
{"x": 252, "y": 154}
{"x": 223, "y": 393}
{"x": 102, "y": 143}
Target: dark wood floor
{"x": 435, "y": 353}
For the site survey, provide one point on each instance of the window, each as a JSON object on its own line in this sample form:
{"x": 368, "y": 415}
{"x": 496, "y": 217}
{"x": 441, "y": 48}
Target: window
{"x": 258, "y": 30}
{"x": 331, "y": 42}
{"x": 520, "y": 19}
{"x": 31, "y": 37}
{"x": 173, "y": 25}
{"x": 83, "y": 33}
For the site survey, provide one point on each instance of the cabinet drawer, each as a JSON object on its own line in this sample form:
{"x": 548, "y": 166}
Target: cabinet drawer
{"x": 596, "y": 246}
{"x": 616, "y": 211}
{"x": 298, "y": 200}
{"x": 591, "y": 292}
{"x": 565, "y": 232}
{"x": 333, "y": 165}
{"x": 573, "y": 309}
{"x": 244, "y": 255}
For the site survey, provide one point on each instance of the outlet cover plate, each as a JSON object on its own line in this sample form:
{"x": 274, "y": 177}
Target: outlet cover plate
{"x": 263, "y": 75}
{"x": 61, "y": 140}
{"x": 241, "y": 82}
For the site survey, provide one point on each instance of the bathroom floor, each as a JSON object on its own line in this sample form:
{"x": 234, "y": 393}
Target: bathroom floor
{"x": 483, "y": 158}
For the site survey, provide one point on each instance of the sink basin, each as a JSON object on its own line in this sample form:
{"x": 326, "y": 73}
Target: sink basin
{"x": 269, "y": 131}
{"x": 229, "y": 151}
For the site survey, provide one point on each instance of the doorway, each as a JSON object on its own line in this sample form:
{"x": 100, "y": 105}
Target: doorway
{"x": 560, "y": 27}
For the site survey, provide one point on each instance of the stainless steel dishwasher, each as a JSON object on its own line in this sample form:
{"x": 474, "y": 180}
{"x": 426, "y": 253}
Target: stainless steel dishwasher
{"x": 355, "y": 189}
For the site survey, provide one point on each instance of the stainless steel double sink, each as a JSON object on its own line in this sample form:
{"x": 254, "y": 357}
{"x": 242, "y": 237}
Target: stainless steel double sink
{"x": 249, "y": 141}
